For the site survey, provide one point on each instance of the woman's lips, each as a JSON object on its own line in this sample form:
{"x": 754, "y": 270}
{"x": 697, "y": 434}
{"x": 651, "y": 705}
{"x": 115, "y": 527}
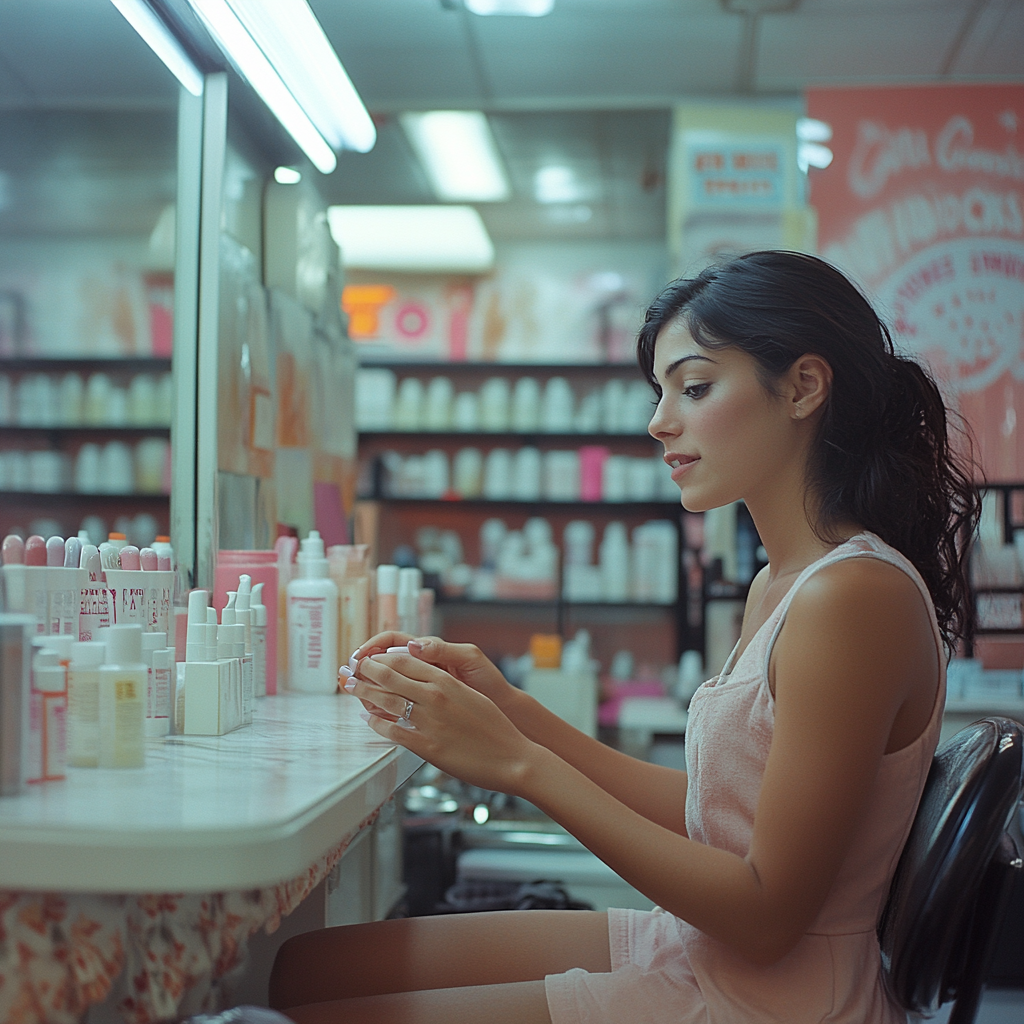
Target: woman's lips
{"x": 680, "y": 464}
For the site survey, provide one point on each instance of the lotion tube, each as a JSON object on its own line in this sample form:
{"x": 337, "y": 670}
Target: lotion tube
{"x": 84, "y": 703}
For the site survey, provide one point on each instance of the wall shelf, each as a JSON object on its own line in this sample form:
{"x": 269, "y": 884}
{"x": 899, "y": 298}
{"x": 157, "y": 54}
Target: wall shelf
{"x": 610, "y": 507}
{"x": 82, "y": 496}
{"x": 502, "y": 435}
{"x": 120, "y": 364}
{"x": 67, "y": 430}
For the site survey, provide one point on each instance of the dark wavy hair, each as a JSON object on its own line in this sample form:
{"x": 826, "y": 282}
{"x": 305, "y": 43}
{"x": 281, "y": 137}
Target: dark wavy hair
{"x": 882, "y": 456}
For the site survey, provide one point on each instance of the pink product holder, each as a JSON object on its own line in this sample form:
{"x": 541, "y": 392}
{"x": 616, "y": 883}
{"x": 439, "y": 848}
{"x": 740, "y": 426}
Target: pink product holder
{"x": 262, "y": 567}
{"x": 592, "y": 460}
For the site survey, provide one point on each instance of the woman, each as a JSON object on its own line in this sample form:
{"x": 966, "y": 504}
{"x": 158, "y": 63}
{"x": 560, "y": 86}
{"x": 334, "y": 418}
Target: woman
{"x": 773, "y": 854}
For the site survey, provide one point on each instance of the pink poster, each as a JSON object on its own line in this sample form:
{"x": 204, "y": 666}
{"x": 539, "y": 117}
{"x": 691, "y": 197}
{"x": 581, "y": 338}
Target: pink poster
{"x": 923, "y": 206}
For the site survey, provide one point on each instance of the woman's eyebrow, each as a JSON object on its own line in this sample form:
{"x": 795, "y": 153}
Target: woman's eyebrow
{"x": 672, "y": 367}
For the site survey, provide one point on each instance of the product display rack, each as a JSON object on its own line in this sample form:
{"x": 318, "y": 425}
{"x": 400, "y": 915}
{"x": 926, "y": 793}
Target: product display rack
{"x": 22, "y": 506}
{"x": 1013, "y": 519}
{"x": 556, "y": 614}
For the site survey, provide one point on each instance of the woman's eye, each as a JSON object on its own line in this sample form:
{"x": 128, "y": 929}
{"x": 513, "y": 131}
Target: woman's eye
{"x": 696, "y": 390}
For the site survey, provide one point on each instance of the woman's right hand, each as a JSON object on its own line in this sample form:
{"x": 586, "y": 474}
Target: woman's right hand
{"x": 464, "y": 661}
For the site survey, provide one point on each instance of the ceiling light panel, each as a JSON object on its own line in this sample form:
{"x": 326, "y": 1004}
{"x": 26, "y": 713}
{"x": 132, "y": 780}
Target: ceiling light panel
{"x": 162, "y": 42}
{"x": 458, "y": 153}
{"x": 252, "y": 64}
{"x": 289, "y": 34}
{"x": 414, "y": 239}
{"x": 522, "y": 8}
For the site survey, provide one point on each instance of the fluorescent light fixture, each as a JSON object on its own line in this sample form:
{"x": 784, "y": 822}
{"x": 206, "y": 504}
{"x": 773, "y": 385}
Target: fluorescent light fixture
{"x": 287, "y": 176}
{"x": 524, "y": 8}
{"x": 289, "y": 34}
{"x": 418, "y": 239}
{"x": 556, "y": 184}
{"x": 813, "y": 154}
{"x": 458, "y": 154}
{"x": 252, "y": 64}
{"x": 810, "y": 129}
{"x": 162, "y": 42}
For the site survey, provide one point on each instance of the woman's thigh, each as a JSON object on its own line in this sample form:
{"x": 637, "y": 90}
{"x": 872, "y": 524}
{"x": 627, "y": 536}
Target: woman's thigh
{"x": 521, "y": 1002}
{"x": 442, "y": 952}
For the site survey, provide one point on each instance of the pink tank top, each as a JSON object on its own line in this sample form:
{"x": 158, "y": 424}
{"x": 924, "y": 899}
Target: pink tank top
{"x": 833, "y": 974}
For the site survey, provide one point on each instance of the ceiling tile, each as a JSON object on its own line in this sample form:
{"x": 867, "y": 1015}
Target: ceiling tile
{"x": 81, "y": 52}
{"x": 401, "y": 50}
{"x": 615, "y": 56}
{"x": 808, "y": 48}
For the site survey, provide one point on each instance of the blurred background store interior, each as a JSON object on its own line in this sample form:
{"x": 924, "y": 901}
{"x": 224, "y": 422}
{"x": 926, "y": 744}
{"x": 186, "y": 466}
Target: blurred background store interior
{"x": 459, "y": 393}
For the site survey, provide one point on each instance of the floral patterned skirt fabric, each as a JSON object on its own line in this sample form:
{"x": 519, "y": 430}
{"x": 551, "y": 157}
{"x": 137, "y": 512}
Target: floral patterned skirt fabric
{"x": 156, "y": 957}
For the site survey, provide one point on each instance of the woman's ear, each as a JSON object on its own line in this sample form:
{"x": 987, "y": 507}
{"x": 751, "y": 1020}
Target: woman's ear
{"x": 810, "y": 380}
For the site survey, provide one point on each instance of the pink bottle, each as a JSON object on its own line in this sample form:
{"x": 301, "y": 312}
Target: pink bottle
{"x": 592, "y": 460}
{"x": 262, "y": 567}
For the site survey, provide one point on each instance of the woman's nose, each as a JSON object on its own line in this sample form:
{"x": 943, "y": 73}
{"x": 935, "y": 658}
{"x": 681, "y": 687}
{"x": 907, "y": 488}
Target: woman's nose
{"x": 660, "y": 426}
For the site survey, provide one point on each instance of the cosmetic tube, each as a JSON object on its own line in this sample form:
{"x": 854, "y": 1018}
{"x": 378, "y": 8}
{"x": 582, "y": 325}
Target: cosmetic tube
{"x": 387, "y": 598}
{"x": 259, "y": 641}
{"x": 13, "y": 554}
{"x": 286, "y": 548}
{"x": 16, "y": 632}
{"x": 84, "y": 703}
{"x": 158, "y": 697}
{"x": 37, "y": 596}
{"x": 94, "y": 598}
{"x": 48, "y": 704}
{"x": 123, "y": 699}
{"x": 410, "y": 581}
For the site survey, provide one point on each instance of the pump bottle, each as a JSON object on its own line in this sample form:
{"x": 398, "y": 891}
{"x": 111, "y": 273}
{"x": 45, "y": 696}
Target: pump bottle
{"x": 313, "y": 622}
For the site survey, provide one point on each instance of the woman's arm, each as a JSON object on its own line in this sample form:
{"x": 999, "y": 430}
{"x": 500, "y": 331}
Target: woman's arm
{"x": 653, "y": 791}
{"x": 856, "y": 641}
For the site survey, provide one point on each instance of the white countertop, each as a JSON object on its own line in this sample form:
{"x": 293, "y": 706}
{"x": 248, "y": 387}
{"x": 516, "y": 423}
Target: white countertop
{"x": 207, "y": 814}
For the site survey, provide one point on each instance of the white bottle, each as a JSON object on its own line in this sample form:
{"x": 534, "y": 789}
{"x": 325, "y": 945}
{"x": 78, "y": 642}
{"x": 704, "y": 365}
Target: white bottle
{"x": 84, "y": 703}
{"x": 258, "y": 630}
{"x": 410, "y": 581}
{"x": 313, "y": 622}
{"x": 48, "y": 700}
{"x": 158, "y": 695}
{"x": 123, "y": 699}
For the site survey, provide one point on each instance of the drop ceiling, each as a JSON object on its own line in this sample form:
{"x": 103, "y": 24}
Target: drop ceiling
{"x": 589, "y": 87}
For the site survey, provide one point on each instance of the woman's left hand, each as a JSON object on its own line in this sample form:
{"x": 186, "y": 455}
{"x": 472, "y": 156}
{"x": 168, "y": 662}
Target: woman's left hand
{"x": 454, "y": 727}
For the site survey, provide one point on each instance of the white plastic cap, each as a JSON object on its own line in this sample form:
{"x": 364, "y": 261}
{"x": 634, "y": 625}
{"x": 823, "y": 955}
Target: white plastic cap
{"x": 227, "y": 615}
{"x": 244, "y": 602}
{"x": 154, "y": 641}
{"x": 124, "y": 645}
{"x": 259, "y": 610}
{"x": 88, "y": 653}
{"x": 198, "y": 602}
{"x": 387, "y": 579}
{"x": 60, "y": 644}
{"x": 311, "y": 559}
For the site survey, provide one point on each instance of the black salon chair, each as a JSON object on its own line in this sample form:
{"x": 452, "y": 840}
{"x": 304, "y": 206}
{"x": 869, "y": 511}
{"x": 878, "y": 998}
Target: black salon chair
{"x": 950, "y": 890}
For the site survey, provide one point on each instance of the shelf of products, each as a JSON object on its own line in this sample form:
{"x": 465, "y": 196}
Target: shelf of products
{"x": 515, "y": 488}
{"x": 78, "y": 435}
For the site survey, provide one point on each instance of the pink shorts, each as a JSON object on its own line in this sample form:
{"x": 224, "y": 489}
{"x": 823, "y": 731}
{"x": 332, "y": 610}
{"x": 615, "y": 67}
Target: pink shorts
{"x": 650, "y": 981}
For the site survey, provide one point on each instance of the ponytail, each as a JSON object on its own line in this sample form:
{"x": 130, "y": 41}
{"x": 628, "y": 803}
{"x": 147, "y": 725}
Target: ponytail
{"x": 882, "y": 456}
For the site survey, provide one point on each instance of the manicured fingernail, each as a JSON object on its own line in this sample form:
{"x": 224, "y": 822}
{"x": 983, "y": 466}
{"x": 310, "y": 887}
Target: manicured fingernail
{"x": 350, "y": 686}
{"x": 353, "y": 662}
{"x": 418, "y": 645}
{"x": 345, "y": 672}
{"x": 403, "y": 724}
{"x": 397, "y": 650}
{"x": 364, "y": 715}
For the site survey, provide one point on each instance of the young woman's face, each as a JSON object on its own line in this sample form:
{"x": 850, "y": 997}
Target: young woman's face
{"x": 725, "y": 436}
